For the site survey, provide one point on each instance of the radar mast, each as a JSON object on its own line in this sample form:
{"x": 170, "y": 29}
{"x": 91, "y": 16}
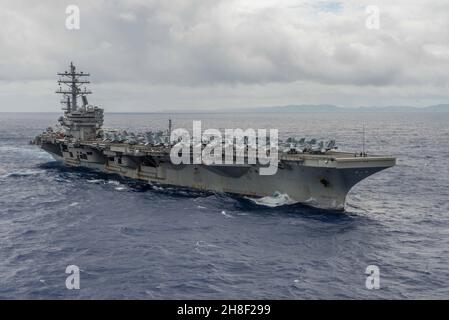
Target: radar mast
{"x": 73, "y": 80}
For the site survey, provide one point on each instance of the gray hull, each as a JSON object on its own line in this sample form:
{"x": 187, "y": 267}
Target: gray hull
{"x": 318, "y": 181}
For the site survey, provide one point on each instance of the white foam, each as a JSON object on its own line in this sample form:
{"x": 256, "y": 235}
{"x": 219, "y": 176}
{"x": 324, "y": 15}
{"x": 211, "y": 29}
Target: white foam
{"x": 332, "y": 206}
{"x": 95, "y": 181}
{"x": 202, "y": 243}
{"x": 226, "y": 215}
{"x": 311, "y": 202}
{"x": 276, "y": 200}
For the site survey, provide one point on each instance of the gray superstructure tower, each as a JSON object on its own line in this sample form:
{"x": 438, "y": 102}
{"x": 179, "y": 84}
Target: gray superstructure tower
{"x": 81, "y": 122}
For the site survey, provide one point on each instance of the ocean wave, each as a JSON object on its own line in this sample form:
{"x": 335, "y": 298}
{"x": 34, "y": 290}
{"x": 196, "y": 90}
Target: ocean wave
{"x": 25, "y": 151}
{"x": 203, "y": 244}
{"x": 132, "y": 231}
{"x": 22, "y": 173}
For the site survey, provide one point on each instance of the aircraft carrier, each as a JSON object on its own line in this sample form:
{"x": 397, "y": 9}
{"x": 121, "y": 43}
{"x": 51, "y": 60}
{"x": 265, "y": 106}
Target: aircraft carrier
{"x": 309, "y": 172}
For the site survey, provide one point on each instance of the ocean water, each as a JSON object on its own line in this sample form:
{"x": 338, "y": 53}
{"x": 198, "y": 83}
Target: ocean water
{"x": 137, "y": 241}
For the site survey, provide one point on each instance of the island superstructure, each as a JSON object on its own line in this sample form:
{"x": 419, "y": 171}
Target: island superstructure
{"x": 308, "y": 172}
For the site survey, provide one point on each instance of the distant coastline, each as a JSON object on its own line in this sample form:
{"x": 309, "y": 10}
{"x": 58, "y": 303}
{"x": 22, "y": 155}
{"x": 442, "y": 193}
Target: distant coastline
{"x": 334, "y": 108}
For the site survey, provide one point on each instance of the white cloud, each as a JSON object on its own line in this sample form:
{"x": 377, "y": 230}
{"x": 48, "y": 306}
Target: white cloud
{"x": 128, "y": 16}
{"x": 205, "y": 53}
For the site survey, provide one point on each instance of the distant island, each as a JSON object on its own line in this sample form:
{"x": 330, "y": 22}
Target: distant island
{"x": 317, "y": 108}
{"x": 300, "y": 108}
{"x": 334, "y": 108}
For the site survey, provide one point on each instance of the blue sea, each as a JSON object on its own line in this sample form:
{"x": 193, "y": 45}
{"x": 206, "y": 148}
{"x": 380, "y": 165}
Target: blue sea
{"x": 136, "y": 241}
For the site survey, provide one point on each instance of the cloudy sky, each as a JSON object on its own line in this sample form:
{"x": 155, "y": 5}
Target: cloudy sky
{"x": 151, "y": 55}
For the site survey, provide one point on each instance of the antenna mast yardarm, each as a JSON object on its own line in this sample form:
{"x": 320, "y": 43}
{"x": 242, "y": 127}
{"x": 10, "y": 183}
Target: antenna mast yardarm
{"x": 72, "y": 80}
